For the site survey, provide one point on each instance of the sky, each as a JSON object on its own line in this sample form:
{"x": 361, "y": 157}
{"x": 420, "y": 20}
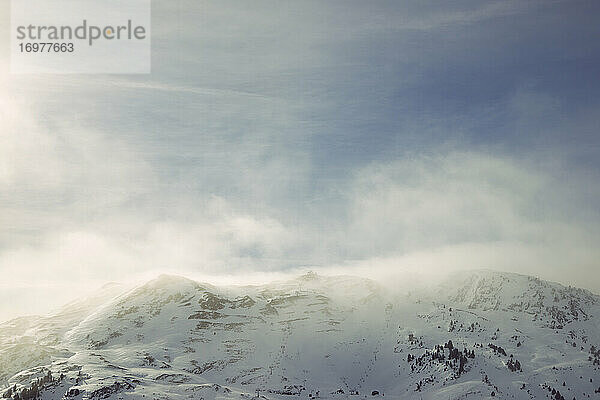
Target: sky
{"x": 374, "y": 138}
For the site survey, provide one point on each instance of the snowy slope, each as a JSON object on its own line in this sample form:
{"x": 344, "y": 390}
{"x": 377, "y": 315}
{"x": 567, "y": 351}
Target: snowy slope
{"x": 477, "y": 335}
{"x": 38, "y": 340}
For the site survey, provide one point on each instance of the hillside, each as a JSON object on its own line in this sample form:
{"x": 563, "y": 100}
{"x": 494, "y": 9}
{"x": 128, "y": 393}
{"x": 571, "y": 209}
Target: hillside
{"x": 477, "y": 335}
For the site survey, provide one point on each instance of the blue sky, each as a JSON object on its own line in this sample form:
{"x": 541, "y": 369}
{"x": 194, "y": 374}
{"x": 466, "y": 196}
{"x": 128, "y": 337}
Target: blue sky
{"x": 343, "y": 136}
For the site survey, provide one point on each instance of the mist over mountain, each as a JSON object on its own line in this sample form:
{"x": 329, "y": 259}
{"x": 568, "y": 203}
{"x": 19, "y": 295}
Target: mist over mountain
{"x": 478, "y": 334}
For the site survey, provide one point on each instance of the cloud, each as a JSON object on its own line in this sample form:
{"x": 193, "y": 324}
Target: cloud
{"x": 68, "y": 260}
{"x": 449, "y": 210}
{"x": 446, "y": 198}
{"x": 420, "y": 217}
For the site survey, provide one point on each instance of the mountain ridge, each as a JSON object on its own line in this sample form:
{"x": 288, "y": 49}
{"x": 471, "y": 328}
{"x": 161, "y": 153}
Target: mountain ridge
{"x": 315, "y": 336}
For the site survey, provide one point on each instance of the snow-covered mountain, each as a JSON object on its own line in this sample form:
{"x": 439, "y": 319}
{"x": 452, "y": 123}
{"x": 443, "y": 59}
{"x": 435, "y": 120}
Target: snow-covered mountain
{"x": 477, "y": 335}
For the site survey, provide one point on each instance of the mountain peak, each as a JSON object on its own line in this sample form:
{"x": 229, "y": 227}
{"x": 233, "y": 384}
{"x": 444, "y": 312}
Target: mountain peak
{"x": 168, "y": 280}
{"x": 550, "y": 304}
{"x": 309, "y": 276}
{"x": 312, "y": 335}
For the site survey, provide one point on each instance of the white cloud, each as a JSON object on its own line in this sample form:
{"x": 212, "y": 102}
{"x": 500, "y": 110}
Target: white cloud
{"x": 462, "y": 210}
